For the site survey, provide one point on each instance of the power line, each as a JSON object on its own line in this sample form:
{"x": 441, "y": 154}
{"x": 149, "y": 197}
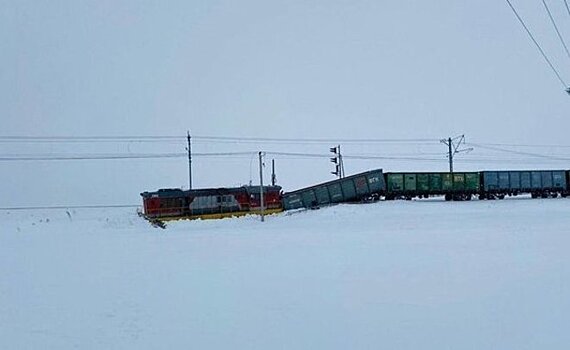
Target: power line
{"x": 525, "y": 145}
{"x": 93, "y": 157}
{"x": 296, "y": 155}
{"x": 319, "y": 142}
{"x": 221, "y": 139}
{"x": 84, "y": 141}
{"x": 120, "y": 156}
{"x": 210, "y": 139}
{"x": 96, "y": 137}
{"x": 556, "y": 28}
{"x": 313, "y": 140}
{"x": 74, "y": 207}
{"x": 537, "y": 45}
{"x": 289, "y": 155}
{"x": 355, "y": 156}
{"x": 183, "y": 138}
{"x": 509, "y": 160}
{"x": 567, "y": 7}
{"x": 519, "y": 152}
{"x": 299, "y": 156}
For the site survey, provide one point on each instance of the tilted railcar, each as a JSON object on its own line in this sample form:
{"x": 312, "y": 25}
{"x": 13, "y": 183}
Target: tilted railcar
{"x": 352, "y": 188}
{"x": 209, "y": 203}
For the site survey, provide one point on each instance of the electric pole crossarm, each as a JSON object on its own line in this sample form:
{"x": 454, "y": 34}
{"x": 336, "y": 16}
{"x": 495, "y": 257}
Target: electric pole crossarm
{"x": 461, "y": 140}
{"x": 466, "y": 150}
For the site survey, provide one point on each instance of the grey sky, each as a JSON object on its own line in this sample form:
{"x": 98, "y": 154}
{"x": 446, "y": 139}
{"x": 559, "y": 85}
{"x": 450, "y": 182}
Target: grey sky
{"x": 297, "y": 69}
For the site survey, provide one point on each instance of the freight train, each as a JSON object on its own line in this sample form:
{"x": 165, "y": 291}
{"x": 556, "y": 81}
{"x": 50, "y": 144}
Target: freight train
{"x": 453, "y": 186}
{"x": 167, "y": 204}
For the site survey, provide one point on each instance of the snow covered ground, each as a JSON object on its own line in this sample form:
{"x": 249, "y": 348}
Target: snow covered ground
{"x": 387, "y": 275}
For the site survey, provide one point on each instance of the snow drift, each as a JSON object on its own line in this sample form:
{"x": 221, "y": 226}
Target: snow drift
{"x": 394, "y": 275}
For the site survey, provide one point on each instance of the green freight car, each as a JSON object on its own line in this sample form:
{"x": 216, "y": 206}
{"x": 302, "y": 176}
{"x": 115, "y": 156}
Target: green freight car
{"x": 457, "y": 186}
{"x": 353, "y": 188}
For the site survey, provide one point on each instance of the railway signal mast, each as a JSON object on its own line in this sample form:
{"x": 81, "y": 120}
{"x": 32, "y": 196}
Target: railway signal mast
{"x": 337, "y": 160}
{"x": 453, "y": 145}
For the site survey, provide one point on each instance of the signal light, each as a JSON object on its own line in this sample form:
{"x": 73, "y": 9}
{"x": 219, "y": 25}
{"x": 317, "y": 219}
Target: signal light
{"x": 337, "y": 171}
{"x": 337, "y": 160}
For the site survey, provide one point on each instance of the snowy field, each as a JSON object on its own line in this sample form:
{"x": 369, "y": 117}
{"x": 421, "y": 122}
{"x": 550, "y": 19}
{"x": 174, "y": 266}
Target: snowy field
{"x": 388, "y": 275}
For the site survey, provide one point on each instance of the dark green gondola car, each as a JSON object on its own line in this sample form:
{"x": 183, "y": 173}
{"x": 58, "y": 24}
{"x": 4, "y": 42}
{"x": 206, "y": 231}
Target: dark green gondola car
{"x": 353, "y": 188}
{"x": 460, "y": 185}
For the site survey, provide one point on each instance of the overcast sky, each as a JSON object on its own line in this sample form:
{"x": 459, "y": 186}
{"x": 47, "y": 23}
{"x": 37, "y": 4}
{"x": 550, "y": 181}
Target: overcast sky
{"x": 282, "y": 69}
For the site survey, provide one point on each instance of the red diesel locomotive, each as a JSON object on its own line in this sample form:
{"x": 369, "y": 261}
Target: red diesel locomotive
{"x": 210, "y": 203}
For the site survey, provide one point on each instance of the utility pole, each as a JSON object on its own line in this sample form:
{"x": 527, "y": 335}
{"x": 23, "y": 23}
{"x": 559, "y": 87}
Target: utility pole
{"x": 261, "y": 185}
{"x": 450, "y": 155}
{"x": 189, "y": 149}
{"x": 273, "y": 177}
{"x": 341, "y": 163}
{"x": 337, "y": 160}
{"x": 453, "y": 145}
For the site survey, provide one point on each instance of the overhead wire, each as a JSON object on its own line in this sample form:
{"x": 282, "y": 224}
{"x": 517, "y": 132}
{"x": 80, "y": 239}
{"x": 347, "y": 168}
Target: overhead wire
{"x": 204, "y": 139}
{"x": 91, "y": 157}
{"x": 432, "y": 142}
{"x": 519, "y": 152}
{"x": 537, "y": 45}
{"x": 73, "y": 207}
{"x": 312, "y": 140}
{"x": 95, "y": 137}
{"x": 349, "y": 156}
{"x": 556, "y": 28}
{"x": 525, "y": 145}
{"x": 280, "y": 154}
{"x": 399, "y": 156}
{"x": 119, "y": 156}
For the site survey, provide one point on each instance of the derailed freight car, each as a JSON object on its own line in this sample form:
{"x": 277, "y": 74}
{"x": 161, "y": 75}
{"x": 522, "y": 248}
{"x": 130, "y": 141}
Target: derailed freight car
{"x": 539, "y": 183}
{"x": 354, "y": 188}
{"x": 454, "y": 186}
